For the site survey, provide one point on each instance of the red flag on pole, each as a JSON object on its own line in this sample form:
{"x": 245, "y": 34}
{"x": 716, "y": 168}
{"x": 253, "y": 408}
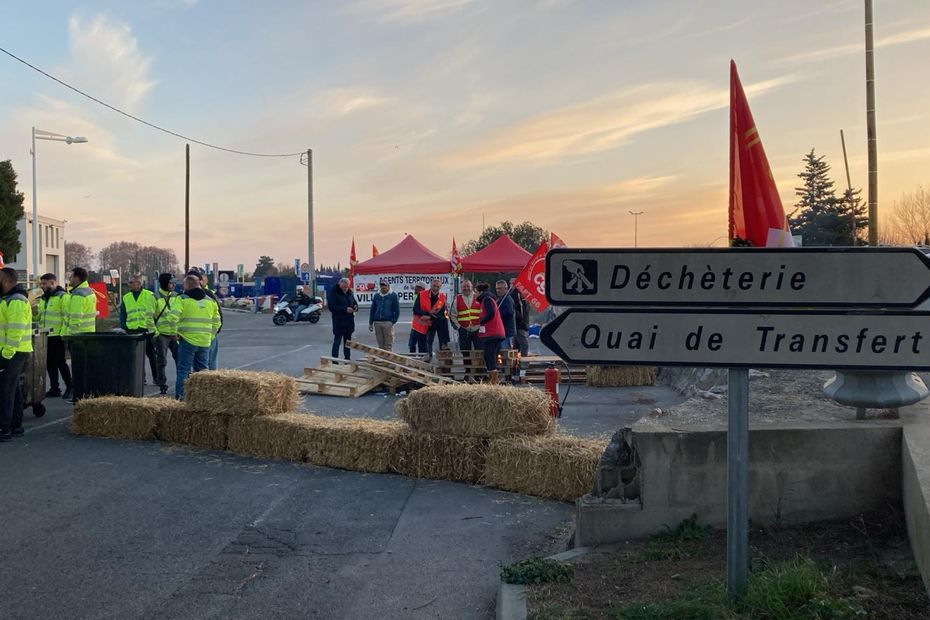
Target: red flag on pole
{"x": 555, "y": 241}
{"x": 532, "y": 280}
{"x": 353, "y": 261}
{"x": 455, "y": 261}
{"x": 374, "y": 250}
{"x": 2, "y": 264}
{"x": 756, "y": 214}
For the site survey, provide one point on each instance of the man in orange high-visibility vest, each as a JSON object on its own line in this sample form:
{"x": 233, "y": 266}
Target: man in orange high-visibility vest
{"x": 430, "y": 318}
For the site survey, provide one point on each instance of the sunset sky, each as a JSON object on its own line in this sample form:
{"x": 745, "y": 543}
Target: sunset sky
{"x": 425, "y": 115}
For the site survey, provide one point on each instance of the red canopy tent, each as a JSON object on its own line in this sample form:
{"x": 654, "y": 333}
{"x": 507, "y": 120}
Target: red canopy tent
{"x": 408, "y": 256}
{"x": 501, "y": 256}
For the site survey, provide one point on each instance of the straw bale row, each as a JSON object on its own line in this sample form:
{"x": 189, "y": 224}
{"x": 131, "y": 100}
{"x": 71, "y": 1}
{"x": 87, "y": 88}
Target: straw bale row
{"x": 483, "y": 411}
{"x": 620, "y": 376}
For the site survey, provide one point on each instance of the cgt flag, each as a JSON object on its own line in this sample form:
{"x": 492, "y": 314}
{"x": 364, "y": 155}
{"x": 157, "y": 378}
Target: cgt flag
{"x": 532, "y": 280}
{"x": 455, "y": 261}
{"x": 756, "y": 215}
{"x": 353, "y": 261}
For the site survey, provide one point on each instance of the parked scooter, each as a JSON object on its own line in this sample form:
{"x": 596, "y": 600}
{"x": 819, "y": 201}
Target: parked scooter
{"x": 286, "y": 310}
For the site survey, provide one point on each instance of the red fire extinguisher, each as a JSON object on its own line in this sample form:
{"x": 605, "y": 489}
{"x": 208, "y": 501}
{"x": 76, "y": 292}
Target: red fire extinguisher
{"x": 552, "y": 378}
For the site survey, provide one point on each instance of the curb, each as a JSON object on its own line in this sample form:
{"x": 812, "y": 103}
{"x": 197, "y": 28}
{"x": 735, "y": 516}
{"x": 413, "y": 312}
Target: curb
{"x": 511, "y": 599}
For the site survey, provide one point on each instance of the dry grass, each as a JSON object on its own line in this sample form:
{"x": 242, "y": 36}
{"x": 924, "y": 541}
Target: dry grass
{"x": 558, "y": 467}
{"x": 279, "y": 436}
{"x": 203, "y": 429}
{"x": 241, "y": 393}
{"x": 477, "y": 411}
{"x": 120, "y": 417}
{"x": 620, "y": 376}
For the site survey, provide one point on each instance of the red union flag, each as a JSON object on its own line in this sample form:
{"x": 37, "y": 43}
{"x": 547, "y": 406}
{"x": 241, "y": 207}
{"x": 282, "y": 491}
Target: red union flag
{"x": 353, "y": 261}
{"x": 555, "y": 241}
{"x": 532, "y": 280}
{"x": 756, "y": 214}
{"x": 374, "y": 250}
{"x": 455, "y": 261}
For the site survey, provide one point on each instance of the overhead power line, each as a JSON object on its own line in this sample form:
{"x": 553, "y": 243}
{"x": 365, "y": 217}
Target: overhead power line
{"x": 144, "y": 122}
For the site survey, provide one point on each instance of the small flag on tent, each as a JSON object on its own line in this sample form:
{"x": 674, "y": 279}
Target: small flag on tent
{"x": 757, "y": 217}
{"x": 374, "y": 250}
{"x": 455, "y": 261}
{"x": 555, "y": 241}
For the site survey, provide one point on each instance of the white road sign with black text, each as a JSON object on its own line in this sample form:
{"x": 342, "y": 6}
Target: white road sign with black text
{"x": 824, "y": 277}
{"x": 739, "y": 338}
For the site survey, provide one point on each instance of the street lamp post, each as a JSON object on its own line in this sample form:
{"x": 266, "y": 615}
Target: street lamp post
{"x": 38, "y": 134}
{"x": 636, "y": 215}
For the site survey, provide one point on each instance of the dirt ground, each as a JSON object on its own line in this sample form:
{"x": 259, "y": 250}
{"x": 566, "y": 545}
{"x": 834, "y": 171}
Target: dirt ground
{"x": 775, "y": 396}
{"x": 867, "y": 560}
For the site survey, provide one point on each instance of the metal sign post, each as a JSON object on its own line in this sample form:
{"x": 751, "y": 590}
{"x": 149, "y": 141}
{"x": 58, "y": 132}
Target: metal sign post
{"x": 737, "y": 481}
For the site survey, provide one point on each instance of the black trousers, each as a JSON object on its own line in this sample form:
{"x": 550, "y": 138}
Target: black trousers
{"x": 149, "y": 351}
{"x": 439, "y": 327}
{"x": 339, "y": 338}
{"x": 56, "y": 363}
{"x": 11, "y": 393}
{"x": 491, "y": 346}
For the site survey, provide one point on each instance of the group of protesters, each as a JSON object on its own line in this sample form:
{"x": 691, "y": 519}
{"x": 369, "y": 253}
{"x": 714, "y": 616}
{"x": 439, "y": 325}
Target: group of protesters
{"x": 484, "y": 319}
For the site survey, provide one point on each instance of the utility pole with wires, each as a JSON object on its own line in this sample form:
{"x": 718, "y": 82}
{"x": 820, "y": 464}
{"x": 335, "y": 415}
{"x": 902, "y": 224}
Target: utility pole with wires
{"x": 870, "y": 122}
{"x": 636, "y": 215}
{"x": 306, "y": 159}
{"x": 187, "y": 207}
{"x": 852, "y": 205}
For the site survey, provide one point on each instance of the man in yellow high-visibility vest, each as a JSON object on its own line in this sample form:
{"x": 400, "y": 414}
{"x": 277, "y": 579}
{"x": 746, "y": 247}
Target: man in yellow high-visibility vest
{"x": 137, "y": 316}
{"x": 81, "y": 317}
{"x": 198, "y": 320}
{"x": 51, "y": 308}
{"x": 15, "y": 348}
{"x": 166, "y": 332}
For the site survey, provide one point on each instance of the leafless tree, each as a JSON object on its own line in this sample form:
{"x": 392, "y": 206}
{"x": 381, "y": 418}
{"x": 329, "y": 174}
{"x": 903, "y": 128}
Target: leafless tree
{"x": 130, "y": 258}
{"x": 910, "y": 219}
{"x": 77, "y": 255}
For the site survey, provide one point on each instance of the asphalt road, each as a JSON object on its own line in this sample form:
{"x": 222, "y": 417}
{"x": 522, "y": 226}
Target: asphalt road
{"x": 96, "y": 528}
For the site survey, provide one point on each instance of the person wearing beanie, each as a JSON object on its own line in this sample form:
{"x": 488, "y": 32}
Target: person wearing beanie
{"x": 166, "y": 329}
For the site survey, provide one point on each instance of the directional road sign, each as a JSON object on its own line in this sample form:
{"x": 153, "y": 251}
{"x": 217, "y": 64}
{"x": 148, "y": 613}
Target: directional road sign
{"x": 802, "y": 277}
{"x": 742, "y": 338}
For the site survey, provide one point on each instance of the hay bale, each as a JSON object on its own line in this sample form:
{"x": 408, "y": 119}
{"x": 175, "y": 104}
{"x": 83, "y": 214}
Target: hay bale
{"x": 241, "y": 393}
{"x": 559, "y": 467}
{"x": 203, "y": 429}
{"x": 358, "y": 445}
{"x": 477, "y": 411}
{"x": 442, "y": 457}
{"x": 120, "y": 416}
{"x": 281, "y": 436}
{"x": 620, "y": 376}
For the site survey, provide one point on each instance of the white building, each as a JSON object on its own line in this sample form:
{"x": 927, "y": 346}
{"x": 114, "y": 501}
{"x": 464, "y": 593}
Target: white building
{"x": 51, "y": 249}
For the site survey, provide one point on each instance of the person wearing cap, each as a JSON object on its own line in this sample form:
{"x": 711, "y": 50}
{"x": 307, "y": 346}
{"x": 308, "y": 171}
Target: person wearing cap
{"x": 198, "y": 319}
{"x": 413, "y": 341}
{"x": 385, "y": 311}
{"x": 215, "y": 345}
{"x": 431, "y": 318}
{"x": 50, "y": 311}
{"x": 166, "y": 329}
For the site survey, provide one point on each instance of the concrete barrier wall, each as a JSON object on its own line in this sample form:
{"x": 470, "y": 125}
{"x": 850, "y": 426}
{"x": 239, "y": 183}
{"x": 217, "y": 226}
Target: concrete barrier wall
{"x": 797, "y": 474}
{"x": 915, "y": 484}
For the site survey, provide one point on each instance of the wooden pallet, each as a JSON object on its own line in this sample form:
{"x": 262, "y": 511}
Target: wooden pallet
{"x": 335, "y": 377}
{"x": 398, "y": 366}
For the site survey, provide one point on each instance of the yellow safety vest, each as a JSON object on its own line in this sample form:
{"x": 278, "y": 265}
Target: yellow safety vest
{"x": 15, "y": 325}
{"x": 198, "y": 320}
{"x": 81, "y": 317}
{"x": 52, "y": 312}
{"x": 140, "y": 313}
{"x": 165, "y": 319}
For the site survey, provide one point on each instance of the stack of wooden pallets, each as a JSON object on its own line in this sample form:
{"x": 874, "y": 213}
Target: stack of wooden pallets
{"x": 380, "y": 369}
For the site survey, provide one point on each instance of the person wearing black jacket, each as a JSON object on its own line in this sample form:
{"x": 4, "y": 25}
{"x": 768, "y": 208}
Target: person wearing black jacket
{"x": 215, "y": 347}
{"x": 343, "y": 306}
{"x": 521, "y": 340}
